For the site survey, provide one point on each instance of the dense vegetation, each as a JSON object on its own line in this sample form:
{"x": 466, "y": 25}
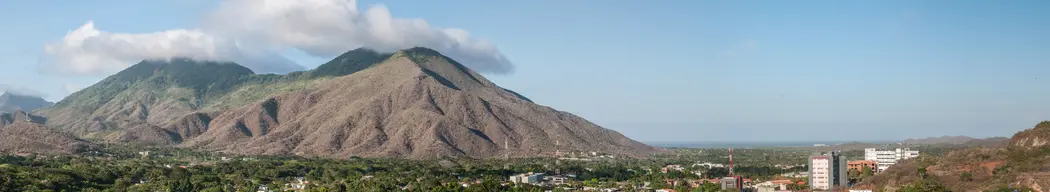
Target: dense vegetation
{"x": 124, "y": 168}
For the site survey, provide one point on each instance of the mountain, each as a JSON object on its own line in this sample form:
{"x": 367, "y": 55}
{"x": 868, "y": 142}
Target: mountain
{"x": 11, "y": 102}
{"x": 414, "y": 103}
{"x": 940, "y": 140}
{"x": 23, "y": 133}
{"x": 1022, "y": 164}
{"x": 139, "y": 104}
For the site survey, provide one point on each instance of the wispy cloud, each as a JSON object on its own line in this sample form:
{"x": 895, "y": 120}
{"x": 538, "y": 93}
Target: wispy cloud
{"x": 254, "y": 32}
{"x": 18, "y": 90}
{"x": 71, "y": 88}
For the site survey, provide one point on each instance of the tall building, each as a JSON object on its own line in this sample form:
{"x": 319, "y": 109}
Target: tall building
{"x": 827, "y": 170}
{"x": 886, "y": 158}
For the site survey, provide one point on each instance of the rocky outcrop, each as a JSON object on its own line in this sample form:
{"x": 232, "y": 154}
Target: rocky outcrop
{"x": 1035, "y": 137}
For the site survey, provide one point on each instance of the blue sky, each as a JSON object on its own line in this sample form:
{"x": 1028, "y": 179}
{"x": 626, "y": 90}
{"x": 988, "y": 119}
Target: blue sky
{"x": 687, "y": 70}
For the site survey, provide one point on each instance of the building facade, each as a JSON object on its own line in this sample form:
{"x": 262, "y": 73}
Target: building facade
{"x": 860, "y": 164}
{"x": 529, "y": 178}
{"x": 827, "y": 170}
{"x": 886, "y": 158}
{"x": 731, "y": 182}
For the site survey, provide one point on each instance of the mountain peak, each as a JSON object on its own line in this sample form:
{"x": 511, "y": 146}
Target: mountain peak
{"x": 10, "y": 102}
{"x": 349, "y": 62}
{"x": 443, "y": 68}
{"x": 422, "y": 51}
{"x": 6, "y": 94}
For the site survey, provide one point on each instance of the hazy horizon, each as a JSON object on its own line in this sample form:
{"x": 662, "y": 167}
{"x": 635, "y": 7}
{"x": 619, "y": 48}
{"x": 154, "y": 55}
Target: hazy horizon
{"x": 674, "y": 71}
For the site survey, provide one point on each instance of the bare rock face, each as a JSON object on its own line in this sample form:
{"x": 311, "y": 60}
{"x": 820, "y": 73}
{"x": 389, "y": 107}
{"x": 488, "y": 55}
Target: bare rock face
{"x": 1038, "y": 136}
{"x": 416, "y": 104}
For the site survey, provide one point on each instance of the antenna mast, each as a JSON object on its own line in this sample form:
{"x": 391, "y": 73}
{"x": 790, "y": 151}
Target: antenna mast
{"x": 730, "y": 161}
{"x": 506, "y": 149}
{"x": 557, "y": 156}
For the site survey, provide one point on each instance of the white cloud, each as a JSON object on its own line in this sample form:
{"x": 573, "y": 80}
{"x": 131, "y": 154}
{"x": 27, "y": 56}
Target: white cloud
{"x": 90, "y": 51}
{"x": 71, "y": 88}
{"x": 4, "y": 88}
{"x": 252, "y": 32}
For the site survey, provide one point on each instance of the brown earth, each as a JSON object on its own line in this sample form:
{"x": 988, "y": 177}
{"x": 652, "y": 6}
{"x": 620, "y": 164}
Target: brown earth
{"x": 1023, "y": 164}
{"x": 417, "y": 104}
{"x": 1034, "y": 137}
{"x": 20, "y": 136}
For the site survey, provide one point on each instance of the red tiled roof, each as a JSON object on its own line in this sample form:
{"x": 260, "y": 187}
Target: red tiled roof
{"x": 860, "y": 162}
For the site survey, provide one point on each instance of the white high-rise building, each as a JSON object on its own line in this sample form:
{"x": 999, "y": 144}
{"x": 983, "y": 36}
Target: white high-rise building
{"x": 827, "y": 170}
{"x": 888, "y": 157}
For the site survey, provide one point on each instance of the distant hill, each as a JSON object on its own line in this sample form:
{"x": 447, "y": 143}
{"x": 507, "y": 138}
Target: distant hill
{"x": 21, "y": 135}
{"x": 988, "y": 142}
{"x": 939, "y": 140}
{"x": 414, "y": 103}
{"x": 11, "y": 102}
{"x": 1022, "y": 163}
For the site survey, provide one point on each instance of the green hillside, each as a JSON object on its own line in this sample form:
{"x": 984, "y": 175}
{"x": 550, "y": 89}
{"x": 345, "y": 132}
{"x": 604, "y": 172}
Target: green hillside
{"x": 154, "y": 91}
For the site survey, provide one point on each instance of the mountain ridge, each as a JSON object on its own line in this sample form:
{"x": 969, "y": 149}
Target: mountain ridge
{"x": 11, "y": 102}
{"x": 413, "y": 103}
{"x": 940, "y": 140}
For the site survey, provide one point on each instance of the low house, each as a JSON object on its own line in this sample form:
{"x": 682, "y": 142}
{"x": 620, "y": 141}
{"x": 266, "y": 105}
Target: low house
{"x": 667, "y": 168}
{"x": 300, "y": 183}
{"x": 774, "y": 186}
{"x": 860, "y": 164}
{"x": 558, "y": 180}
{"x": 529, "y": 178}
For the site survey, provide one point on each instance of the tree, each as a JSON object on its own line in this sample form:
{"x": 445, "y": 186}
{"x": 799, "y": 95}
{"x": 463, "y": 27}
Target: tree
{"x": 922, "y": 173}
{"x": 966, "y": 176}
{"x": 708, "y": 187}
{"x": 681, "y": 185}
{"x": 796, "y": 186}
{"x": 866, "y": 171}
{"x": 924, "y": 185}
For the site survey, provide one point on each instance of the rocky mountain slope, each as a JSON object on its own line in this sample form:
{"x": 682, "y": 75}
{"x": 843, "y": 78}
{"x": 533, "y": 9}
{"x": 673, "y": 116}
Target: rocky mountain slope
{"x": 1022, "y": 164}
{"x": 1039, "y": 136}
{"x": 414, "y": 103}
{"x": 10, "y": 102}
{"x": 21, "y": 135}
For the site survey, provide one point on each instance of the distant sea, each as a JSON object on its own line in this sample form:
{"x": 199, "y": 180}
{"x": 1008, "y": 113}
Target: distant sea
{"x": 753, "y": 144}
